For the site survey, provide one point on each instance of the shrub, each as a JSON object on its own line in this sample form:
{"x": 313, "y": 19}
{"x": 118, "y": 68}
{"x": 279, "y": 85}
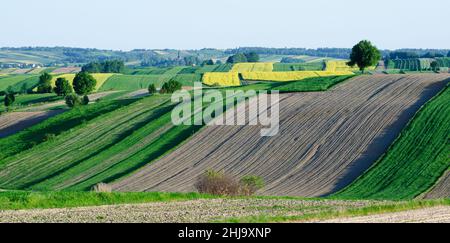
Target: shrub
{"x": 72, "y": 100}
{"x": 170, "y": 87}
{"x": 101, "y": 187}
{"x": 151, "y": 89}
{"x": 85, "y": 100}
{"x": 250, "y": 184}
{"x": 218, "y": 183}
{"x": 9, "y": 99}
{"x": 49, "y": 137}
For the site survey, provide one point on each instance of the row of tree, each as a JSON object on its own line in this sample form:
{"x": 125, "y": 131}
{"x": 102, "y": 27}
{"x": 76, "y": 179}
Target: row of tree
{"x": 115, "y": 66}
{"x": 243, "y": 57}
{"x": 410, "y": 55}
{"x": 83, "y": 84}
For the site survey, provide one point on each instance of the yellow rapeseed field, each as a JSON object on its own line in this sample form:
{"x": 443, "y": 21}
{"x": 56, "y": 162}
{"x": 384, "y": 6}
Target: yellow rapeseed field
{"x": 100, "y": 77}
{"x": 337, "y": 66}
{"x": 252, "y": 67}
{"x": 221, "y": 79}
{"x": 290, "y": 76}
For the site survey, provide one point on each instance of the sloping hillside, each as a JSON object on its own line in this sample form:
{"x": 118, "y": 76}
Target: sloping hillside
{"x": 326, "y": 140}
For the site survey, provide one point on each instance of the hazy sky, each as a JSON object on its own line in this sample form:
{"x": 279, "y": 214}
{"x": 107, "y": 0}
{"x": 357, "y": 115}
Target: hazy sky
{"x": 193, "y": 24}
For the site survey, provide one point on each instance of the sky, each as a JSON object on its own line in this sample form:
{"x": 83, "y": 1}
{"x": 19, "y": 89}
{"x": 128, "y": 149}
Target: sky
{"x": 195, "y": 24}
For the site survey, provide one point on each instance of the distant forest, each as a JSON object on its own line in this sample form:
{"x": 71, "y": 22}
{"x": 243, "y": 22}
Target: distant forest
{"x": 65, "y": 56}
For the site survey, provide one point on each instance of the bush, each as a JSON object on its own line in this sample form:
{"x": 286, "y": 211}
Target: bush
{"x": 218, "y": 183}
{"x": 72, "y": 100}
{"x": 151, "y": 89}
{"x": 9, "y": 99}
{"x": 250, "y": 184}
{"x": 101, "y": 187}
{"x": 85, "y": 100}
{"x": 170, "y": 87}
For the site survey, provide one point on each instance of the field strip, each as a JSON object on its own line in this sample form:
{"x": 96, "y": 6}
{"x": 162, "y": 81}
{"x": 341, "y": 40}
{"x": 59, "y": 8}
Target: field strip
{"x": 92, "y": 97}
{"x": 326, "y": 139}
{"x": 441, "y": 189}
{"x": 13, "y": 122}
{"x": 440, "y": 214}
{"x": 202, "y": 210}
{"x": 33, "y": 166}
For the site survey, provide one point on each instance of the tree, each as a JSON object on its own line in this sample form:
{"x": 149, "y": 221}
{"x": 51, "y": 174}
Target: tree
{"x": 9, "y": 99}
{"x": 84, "y": 83}
{"x": 252, "y": 57}
{"x": 170, "y": 87}
{"x": 72, "y": 100}
{"x": 434, "y": 65}
{"x": 364, "y": 54}
{"x": 45, "y": 85}
{"x": 151, "y": 89}
{"x": 448, "y": 54}
{"x": 208, "y": 62}
{"x": 237, "y": 58}
{"x": 62, "y": 87}
{"x": 114, "y": 66}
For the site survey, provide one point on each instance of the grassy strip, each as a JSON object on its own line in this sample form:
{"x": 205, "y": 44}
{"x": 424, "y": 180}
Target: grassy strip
{"x": 26, "y": 100}
{"x": 14, "y": 200}
{"x": 80, "y": 143}
{"x": 415, "y": 161}
{"x": 37, "y": 134}
{"x": 330, "y": 214}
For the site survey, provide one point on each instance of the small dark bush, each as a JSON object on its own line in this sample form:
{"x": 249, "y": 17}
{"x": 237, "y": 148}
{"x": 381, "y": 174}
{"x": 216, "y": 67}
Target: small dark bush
{"x": 72, "y": 100}
{"x": 151, "y": 89}
{"x": 170, "y": 87}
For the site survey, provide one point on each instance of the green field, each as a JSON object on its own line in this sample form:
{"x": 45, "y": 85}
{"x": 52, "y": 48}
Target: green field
{"x": 30, "y": 137}
{"x": 14, "y": 200}
{"x": 25, "y": 100}
{"x": 286, "y": 67}
{"x": 135, "y": 82}
{"x": 416, "y": 159}
{"x": 18, "y": 82}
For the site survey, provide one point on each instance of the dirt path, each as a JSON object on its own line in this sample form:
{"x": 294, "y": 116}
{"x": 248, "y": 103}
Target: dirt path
{"x": 13, "y": 122}
{"x": 441, "y": 189}
{"x": 439, "y": 214}
{"x": 203, "y": 210}
{"x": 326, "y": 139}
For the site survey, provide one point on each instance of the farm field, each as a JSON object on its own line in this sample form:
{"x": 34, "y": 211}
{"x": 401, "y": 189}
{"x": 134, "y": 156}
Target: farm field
{"x": 13, "y": 122}
{"x": 16, "y": 82}
{"x": 136, "y": 82}
{"x": 157, "y": 207}
{"x": 252, "y": 67}
{"x": 415, "y": 161}
{"x": 101, "y": 78}
{"x": 334, "y": 120}
{"x": 221, "y": 79}
{"x": 287, "y": 67}
{"x": 289, "y": 76}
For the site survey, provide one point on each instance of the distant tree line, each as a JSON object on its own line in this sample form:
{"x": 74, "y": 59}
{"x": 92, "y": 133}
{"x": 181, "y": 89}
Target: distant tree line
{"x": 169, "y": 62}
{"x": 412, "y": 54}
{"x": 114, "y": 66}
{"x": 243, "y": 57}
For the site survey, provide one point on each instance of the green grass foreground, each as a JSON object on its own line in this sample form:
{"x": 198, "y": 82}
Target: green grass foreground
{"x": 14, "y": 200}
